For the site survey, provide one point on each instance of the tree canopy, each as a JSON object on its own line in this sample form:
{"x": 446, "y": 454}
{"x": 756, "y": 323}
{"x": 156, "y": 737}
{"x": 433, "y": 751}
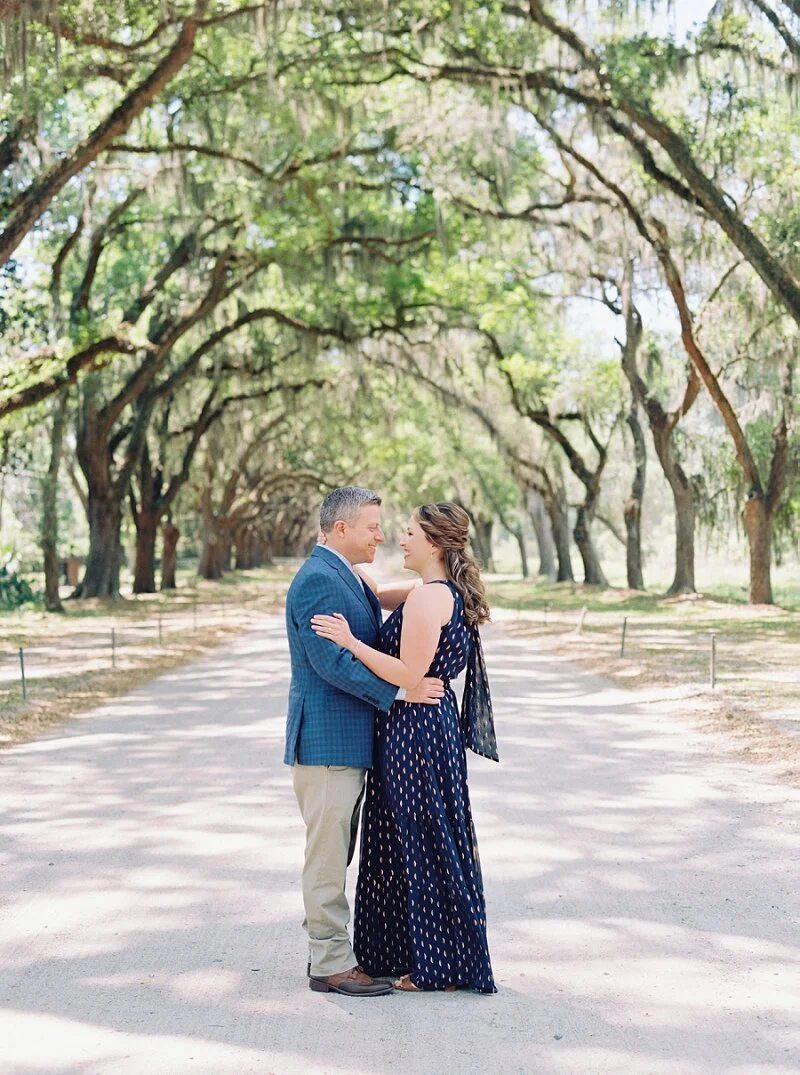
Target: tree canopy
{"x": 504, "y": 253}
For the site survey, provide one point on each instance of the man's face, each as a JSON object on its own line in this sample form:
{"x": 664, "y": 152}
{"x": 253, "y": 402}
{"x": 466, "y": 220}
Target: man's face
{"x": 361, "y": 537}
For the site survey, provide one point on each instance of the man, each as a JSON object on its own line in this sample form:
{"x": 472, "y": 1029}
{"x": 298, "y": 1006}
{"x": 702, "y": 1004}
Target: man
{"x": 330, "y": 727}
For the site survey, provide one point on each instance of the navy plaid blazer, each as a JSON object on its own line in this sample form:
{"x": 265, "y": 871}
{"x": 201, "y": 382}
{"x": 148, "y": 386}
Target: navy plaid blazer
{"x": 333, "y": 697}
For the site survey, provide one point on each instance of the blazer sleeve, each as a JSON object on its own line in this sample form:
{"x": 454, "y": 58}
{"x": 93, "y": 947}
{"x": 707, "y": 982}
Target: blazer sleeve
{"x": 337, "y": 666}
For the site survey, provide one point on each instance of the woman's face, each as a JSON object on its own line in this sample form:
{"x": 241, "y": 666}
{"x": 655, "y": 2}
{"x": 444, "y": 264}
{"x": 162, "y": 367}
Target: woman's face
{"x": 418, "y": 550}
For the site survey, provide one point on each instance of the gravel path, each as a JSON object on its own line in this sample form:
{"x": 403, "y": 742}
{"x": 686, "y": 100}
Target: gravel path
{"x": 642, "y": 891}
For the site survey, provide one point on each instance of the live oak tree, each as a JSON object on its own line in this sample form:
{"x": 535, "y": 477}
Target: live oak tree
{"x": 179, "y": 315}
{"x": 165, "y": 468}
{"x": 637, "y": 95}
{"x": 191, "y": 194}
{"x": 58, "y": 54}
{"x": 472, "y": 404}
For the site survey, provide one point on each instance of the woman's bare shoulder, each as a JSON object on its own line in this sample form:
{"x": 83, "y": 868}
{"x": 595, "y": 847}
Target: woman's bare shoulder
{"x": 432, "y": 599}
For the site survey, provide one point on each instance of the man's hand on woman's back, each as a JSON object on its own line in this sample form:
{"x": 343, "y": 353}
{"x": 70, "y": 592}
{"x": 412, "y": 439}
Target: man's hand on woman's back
{"x": 428, "y": 691}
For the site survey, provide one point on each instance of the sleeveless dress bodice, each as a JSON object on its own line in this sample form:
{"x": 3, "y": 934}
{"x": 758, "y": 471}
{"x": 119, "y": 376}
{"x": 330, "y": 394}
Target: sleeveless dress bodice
{"x": 452, "y": 651}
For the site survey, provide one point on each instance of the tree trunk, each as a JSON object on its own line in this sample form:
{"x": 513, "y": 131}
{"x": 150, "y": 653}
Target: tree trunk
{"x": 214, "y": 553}
{"x": 209, "y": 566}
{"x": 761, "y": 507}
{"x": 523, "y": 552}
{"x": 683, "y": 498}
{"x": 144, "y": 572}
{"x": 633, "y": 506}
{"x": 683, "y": 582}
{"x": 590, "y": 479}
{"x": 240, "y": 545}
{"x": 147, "y": 514}
{"x": 482, "y": 541}
{"x": 592, "y": 570}
{"x": 49, "y": 532}
{"x": 662, "y": 427}
{"x": 248, "y": 546}
{"x": 104, "y": 511}
{"x": 543, "y": 530}
{"x": 169, "y": 555}
{"x": 258, "y": 551}
{"x": 632, "y": 513}
{"x": 101, "y": 578}
{"x": 758, "y": 525}
{"x": 559, "y": 521}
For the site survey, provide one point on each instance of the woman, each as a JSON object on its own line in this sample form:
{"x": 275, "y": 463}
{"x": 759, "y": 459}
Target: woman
{"x": 420, "y": 910}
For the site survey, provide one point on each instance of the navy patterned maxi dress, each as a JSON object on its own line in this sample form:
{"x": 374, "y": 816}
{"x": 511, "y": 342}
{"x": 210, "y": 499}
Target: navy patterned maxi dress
{"x": 419, "y": 899}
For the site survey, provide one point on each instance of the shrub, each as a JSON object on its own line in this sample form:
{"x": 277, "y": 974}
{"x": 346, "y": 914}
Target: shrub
{"x": 14, "y": 590}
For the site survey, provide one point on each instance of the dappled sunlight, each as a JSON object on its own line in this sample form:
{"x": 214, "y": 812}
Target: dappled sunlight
{"x": 639, "y": 901}
{"x": 207, "y": 983}
{"x": 615, "y": 806}
{"x": 59, "y": 1046}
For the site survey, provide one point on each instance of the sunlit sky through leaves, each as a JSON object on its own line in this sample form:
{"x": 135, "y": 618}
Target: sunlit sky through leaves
{"x": 684, "y": 15}
{"x": 589, "y": 321}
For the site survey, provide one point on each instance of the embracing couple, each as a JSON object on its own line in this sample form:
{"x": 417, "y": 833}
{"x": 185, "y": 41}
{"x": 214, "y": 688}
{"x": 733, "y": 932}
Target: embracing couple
{"x": 374, "y": 698}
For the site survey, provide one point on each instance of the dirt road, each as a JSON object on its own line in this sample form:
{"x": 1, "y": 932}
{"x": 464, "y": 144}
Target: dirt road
{"x": 642, "y": 891}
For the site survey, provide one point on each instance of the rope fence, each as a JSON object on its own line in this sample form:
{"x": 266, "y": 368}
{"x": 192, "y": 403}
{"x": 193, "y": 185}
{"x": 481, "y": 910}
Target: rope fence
{"x": 79, "y": 645}
{"x": 699, "y": 651}
{"x": 73, "y": 646}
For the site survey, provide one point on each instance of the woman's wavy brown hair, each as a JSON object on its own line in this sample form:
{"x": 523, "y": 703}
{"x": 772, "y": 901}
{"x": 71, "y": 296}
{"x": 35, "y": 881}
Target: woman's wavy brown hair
{"x": 447, "y": 527}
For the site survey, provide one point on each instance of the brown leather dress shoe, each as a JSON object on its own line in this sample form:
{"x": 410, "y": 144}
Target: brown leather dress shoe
{"x": 351, "y": 983}
{"x": 376, "y": 978}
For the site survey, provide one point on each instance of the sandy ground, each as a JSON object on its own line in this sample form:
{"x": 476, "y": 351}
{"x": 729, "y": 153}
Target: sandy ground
{"x": 642, "y": 890}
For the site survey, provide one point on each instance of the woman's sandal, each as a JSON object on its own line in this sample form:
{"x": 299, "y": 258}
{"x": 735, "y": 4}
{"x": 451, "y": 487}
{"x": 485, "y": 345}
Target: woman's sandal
{"x": 405, "y": 985}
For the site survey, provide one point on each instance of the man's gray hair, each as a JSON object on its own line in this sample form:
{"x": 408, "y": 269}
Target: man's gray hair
{"x": 344, "y": 503}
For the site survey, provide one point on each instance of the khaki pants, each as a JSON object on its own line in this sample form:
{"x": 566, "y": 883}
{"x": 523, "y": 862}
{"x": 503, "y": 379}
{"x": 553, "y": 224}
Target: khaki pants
{"x": 330, "y": 802}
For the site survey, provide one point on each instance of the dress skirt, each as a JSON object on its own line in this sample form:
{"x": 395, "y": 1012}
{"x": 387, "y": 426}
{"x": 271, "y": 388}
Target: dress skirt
{"x": 419, "y": 901}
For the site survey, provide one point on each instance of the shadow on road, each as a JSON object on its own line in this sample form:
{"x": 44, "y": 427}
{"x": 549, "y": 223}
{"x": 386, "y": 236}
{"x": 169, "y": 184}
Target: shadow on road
{"x": 641, "y": 892}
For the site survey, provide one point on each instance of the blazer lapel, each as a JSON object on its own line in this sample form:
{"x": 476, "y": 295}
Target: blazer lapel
{"x": 346, "y": 574}
{"x": 376, "y": 605}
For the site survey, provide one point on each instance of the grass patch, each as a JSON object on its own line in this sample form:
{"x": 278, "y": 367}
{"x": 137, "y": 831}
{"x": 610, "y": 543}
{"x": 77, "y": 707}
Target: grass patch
{"x": 756, "y": 698}
{"x": 64, "y": 697}
{"x": 538, "y": 594}
{"x": 668, "y": 640}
